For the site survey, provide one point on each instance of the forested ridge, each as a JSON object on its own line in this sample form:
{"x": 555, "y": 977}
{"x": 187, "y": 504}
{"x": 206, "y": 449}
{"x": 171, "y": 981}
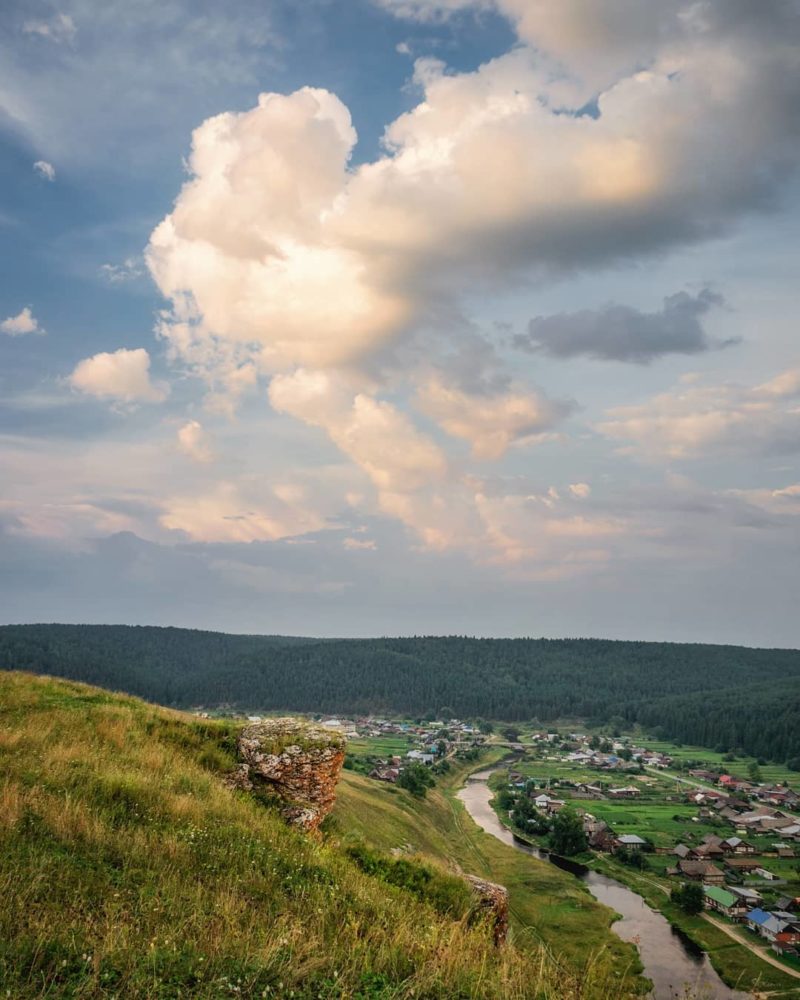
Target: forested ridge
{"x": 716, "y": 696}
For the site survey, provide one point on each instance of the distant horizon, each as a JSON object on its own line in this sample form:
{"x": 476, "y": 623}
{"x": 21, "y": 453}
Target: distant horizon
{"x": 399, "y": 635}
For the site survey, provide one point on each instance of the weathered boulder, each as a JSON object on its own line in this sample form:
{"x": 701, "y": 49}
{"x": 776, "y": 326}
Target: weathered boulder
{"x": 492, "y": 900}
{"x": 294, "y": 762}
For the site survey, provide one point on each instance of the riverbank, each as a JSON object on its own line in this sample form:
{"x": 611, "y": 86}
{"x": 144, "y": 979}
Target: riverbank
{"x": 548, "y": 907}
{"x": 737, "y": 966}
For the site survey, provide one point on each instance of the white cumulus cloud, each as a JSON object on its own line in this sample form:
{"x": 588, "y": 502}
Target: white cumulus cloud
{"x": 123, "y": 375}
{"x": 24, "y": 322}
{"x": 605, "y": 135}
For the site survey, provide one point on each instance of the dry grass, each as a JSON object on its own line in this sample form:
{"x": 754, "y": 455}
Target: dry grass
{"x": 128, "y": 869}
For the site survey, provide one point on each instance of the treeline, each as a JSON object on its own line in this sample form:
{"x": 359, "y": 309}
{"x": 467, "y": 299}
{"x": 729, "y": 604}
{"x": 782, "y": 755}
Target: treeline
{"x": 727, "y": 697}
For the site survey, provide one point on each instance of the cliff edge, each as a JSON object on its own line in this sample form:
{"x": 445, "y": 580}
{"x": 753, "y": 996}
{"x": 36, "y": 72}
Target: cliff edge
{"x": 293, "y": 762}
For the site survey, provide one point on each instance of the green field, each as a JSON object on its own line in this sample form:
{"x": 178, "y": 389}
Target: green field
{"x": 665, "y": 824}
{"x": 770, "y": 772}
{"x": 380, "y": 746}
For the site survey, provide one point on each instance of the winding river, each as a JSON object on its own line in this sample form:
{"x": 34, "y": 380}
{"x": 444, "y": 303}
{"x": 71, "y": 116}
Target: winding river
{"x": 670, "y": 959}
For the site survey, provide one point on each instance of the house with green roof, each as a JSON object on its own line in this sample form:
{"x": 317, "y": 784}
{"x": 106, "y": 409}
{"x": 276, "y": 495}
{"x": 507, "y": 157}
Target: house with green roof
{"x": 725, "y": 902}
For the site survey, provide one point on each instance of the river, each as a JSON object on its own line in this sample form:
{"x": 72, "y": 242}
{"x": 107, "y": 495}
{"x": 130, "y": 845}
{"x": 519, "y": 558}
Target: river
{"x": 670, "y": 959}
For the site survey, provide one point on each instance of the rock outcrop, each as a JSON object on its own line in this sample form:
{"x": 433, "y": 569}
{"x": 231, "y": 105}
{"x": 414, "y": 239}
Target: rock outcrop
{"x": 493, "y": 901}
{"x": 296, "y": 764}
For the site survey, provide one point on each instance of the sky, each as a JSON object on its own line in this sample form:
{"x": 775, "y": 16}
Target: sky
{"x": 381, "y": 317}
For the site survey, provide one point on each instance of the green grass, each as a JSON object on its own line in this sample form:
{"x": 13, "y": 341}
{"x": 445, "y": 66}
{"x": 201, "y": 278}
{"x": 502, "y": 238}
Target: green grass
{"x": 548, "y": 906}
{"x": 380, "y": 746}
{"x": 736, "y": 966}
{"x": 128, "y": 869}
{"x": 771, "y": 772}
{"x": 663, "y": 823}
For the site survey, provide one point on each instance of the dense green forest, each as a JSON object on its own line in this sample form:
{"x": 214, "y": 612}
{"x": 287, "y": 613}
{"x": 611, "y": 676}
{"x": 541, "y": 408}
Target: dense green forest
{"x": 729, "y": 697}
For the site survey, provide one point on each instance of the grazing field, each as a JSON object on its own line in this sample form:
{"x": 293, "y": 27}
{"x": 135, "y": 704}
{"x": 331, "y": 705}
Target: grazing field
{"x": 379, "y": 746}
{"x": 665, "y": 824}
{"x": 770, "y": 771}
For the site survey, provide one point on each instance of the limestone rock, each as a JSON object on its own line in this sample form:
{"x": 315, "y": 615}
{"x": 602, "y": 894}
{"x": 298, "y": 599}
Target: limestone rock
{"x": 294, "y": 761}
{"x": 493, "y": 900}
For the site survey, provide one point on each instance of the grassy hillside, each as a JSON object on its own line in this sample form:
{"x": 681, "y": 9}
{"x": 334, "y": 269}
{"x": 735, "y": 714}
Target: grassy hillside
{"x": 549, "y": 907}
{"x": 128, "y": 869}
{"x": 715, "y": 696}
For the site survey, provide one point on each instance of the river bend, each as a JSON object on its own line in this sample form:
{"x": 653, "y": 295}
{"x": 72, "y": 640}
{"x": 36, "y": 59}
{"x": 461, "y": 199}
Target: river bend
{"x": 671, "y": 961}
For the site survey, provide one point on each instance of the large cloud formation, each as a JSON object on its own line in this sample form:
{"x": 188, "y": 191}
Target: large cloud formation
{"x": 613, "y": 129}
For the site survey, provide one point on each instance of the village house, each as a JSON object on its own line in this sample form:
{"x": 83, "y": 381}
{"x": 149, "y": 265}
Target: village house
{"x": 764, "y": 873}
{"x": 787, "y": 943}
{"x": 711, "y": 852}
{"x": 390, "y": 774}
{"x": 735, "y": 845}
{"x": 630, "y": 792}
{"x": 777, "y": 796}
{"x": 629, "y": 842}
{"x": 731, "y": 784}
{"x": 602, "y": 840}
{"x": 773, "y": 927}
{"x": 702, "y": 774}
{"x": 659, "y": 760}
{"x": 698, "y": 871}
{"x": 756, "y": 919}
{"x": 725, "y": 902}
{"x": 751, "y": 897}
{"x": 742, "y": 865}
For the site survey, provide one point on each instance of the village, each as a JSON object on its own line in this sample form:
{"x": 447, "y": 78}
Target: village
{"x": 384, "y": 748}
{"x": 737, "y": 839}
{"x": 646, "y": 807}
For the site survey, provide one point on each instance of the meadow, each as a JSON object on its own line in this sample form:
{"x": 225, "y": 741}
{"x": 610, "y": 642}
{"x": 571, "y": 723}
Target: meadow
{"x": 771, "y": 771}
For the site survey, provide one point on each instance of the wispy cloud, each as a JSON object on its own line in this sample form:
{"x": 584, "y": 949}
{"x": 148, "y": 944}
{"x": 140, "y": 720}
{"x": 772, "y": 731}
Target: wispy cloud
{"x": 129, "y": 270}
{"x": 697, "y": 419}
{"x": 45, "y": 170}
{"x": 60, "y": 28}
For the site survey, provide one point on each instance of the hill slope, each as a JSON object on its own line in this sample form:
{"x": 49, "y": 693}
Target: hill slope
{"x": 726, "y": 696}
{"x": 128, "y": 869}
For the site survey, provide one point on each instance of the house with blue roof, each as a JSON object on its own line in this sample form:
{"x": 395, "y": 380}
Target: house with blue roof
{"x": 756, "y": 919}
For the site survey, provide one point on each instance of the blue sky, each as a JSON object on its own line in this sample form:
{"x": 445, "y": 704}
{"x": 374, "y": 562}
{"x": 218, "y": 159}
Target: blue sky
{"x": 402, "y": 316}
